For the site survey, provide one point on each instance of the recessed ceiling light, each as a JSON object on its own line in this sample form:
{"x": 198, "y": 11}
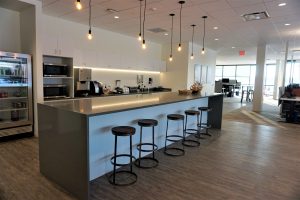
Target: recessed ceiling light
{"x": 216, "y": 39}
{"x": 233, "y": 47}
{"x": 153, "y": 9}
{"x": 116, "y": 17}
{"x": 166, "y": 33}
{"x": 216, "y": 27}
{"x": 287, "y": 24}
{"x": 282, "y": 4}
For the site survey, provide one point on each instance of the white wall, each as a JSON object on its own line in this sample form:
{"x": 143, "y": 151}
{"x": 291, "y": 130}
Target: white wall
{"x": 106, "y": 50}
{"x": 180, "y": 72}
{"x": 127, "y": 78}
{"x": 10, "y": 30}
{"x": 176, "y": 75}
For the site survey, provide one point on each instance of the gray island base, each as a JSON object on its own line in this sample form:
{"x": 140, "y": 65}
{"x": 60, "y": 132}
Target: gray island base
{"x": 75, "y": 140}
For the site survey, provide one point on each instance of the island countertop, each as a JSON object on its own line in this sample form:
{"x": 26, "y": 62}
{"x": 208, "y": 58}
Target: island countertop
{"x": 111, "y": 104}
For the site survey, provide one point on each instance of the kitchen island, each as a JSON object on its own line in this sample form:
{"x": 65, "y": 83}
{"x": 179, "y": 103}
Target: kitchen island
{"x": 75, "y": 140}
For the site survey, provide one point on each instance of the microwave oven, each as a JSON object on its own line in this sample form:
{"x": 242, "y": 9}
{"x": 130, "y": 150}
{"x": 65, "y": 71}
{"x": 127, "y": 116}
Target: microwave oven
{"x": 55, "y": 70}
{"x": 55, "y": 90}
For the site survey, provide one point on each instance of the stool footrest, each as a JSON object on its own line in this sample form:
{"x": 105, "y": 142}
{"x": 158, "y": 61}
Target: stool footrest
{"x": 193, "y": 143}
{"x": 112, "y": 176}
{"x": 168, "y": 138}
{"x": 119, "y": 156}
{"x": 139, "y": 147}
{"x": 168, "y": 149}
{"x": 191, "y": 131}
{"x": 138, "y": 162}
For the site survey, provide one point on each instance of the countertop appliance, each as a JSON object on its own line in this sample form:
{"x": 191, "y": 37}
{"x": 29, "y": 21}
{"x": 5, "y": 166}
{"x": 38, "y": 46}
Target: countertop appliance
{"x": 16, "y": 111}
{"x": 55, "y": 70}
{"x": 96, "y": 88}
{"x": 82, "y": 79}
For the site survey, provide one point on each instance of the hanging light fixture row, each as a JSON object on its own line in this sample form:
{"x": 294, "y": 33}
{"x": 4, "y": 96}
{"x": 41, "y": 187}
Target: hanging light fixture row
{"x": 141, "y": 36}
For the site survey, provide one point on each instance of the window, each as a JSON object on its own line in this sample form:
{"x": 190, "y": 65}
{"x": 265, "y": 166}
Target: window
{"x": 242, "y": 73}
{"x": 269, "y": 78}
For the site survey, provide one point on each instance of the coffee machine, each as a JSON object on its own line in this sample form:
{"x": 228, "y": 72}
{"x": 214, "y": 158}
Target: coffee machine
{"x": 82, "y": 79}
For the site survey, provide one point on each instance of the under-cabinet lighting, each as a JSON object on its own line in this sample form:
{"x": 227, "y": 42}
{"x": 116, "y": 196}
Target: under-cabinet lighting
{"x": 121, "y": 70}
{"x": 126, "y": 103}
{"x": 282, "y": 4}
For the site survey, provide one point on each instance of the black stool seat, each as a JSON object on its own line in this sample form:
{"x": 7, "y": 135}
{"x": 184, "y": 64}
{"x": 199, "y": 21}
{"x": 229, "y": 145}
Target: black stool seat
{"x": 147, "y": 122}
{"x": 123, "y": 130}
{"x": 131, "y": 177}
{"x": 175, "y": 117}
{"x": 205, "y": 109}
{"x": 192, "y": 112}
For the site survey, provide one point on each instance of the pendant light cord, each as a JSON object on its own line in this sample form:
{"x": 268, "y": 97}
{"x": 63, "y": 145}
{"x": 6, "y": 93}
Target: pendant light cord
{"x": 193, "y": 39}
{"x": 144, "y": 19}
{"x": 204, "y": 32}
{"x": 172, "y": 35}
{"x": 90, "y": 13}
{"x": 180, "y": 24}
{"x": 141, "y": 16}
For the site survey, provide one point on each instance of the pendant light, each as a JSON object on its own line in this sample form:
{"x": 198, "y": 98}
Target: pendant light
{"x": 78, "y": 5}
{"x": 203, "y": 50}
{"x": 140, "y": 34}
{"x": 144, "y": 43}
{"x": 192, "y": 55}
{"x": 171, "y": 51}
{"x": 90, "y": 16}
{"x": 179, "y": 45}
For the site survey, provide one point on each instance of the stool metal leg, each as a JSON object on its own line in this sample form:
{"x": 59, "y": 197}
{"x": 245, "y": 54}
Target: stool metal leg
{"x": 153, "y": 156}
{"x": 166, "y": 134}
{"x": 140, "y": 152}
{"x": 130, "y": 153}
{"x": 115, "y": 160}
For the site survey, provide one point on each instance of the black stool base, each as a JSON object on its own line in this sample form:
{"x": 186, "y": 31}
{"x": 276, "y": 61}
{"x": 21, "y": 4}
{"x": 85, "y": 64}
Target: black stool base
{"x": 168, "y": 149}
{"x": 190, "y": 143}
{"x": 139, "y": 162}
{"x": 130, "y": 173}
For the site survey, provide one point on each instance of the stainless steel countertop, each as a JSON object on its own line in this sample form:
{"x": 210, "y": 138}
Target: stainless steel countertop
{"x": 111, "y": 104}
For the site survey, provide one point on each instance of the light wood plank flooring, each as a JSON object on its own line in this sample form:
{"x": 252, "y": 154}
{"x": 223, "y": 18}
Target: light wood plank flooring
{"x": 245, "y": 160}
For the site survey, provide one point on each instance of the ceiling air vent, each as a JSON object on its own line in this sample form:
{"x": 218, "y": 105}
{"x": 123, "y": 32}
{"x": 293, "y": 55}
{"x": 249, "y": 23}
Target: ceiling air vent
{"x": 256, "y": 16}
{"x": 157, "y": 30}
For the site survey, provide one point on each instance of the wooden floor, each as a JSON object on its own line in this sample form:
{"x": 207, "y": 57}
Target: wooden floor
{"x": 246, "y": 160}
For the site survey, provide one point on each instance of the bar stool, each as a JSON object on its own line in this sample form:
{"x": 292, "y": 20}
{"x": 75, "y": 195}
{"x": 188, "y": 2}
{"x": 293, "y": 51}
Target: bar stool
{"x": 191, "y": 131}
{"x": 122, "y": 131}
{"x": 201, "y": 125}
{"x": 174, "y": 138}
{"x": 146, "y": 123}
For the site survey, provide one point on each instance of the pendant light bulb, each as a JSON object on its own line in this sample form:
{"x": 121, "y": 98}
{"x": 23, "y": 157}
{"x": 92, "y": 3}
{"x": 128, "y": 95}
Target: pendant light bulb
{"x": 140, "y": 37}
{"x": 179, "y": 47}
{"x": 144, "y": 45}
{"x": 90, "y": 35}
{"x": 203, "y": 51}
{"x": 78, "y": 5}
{"x": 171, "y": 58}
{"x": 192, "y": 56}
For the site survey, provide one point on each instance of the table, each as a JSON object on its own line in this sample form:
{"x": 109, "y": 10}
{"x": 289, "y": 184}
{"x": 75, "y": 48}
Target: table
{"x": 292, "y": 101}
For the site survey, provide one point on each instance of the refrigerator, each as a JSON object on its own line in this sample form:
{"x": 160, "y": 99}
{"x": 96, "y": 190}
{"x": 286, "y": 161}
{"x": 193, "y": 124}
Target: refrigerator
{"x": 16, "y": 109}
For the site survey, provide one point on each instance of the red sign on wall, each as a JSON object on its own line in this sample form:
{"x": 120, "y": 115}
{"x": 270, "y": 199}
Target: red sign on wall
{"x": 242, "y": 52}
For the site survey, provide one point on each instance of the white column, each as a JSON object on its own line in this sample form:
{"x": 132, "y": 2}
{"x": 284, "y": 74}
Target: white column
{"x": 277, "y": 80}
{"x": 259, "y": 78}
{"x": 284, "y": 63}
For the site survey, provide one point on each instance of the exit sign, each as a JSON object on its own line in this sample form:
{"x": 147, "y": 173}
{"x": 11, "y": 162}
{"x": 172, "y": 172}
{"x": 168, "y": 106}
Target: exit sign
{"x": 242, "y": 52}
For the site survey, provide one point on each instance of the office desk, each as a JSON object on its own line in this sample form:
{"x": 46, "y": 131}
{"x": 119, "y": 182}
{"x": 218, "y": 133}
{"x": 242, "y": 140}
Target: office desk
{"x": 292, "y": 107}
